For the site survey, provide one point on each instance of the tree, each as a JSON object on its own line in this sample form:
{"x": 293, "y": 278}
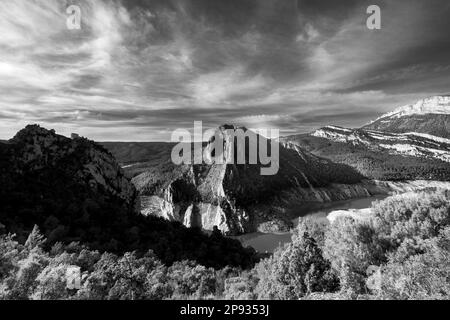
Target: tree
{"x": 296, "y": 270}
{"x": 35, "y": 239}
{"x": 395, "y": 243}
{"x": 403, "y": 222}
{"x": 191, "y": 280}
{"x": 352, "y": 247}
{"x": 422, "y": 276}
{"x": 241, "y": 287}
{"x": 52, "y": 283}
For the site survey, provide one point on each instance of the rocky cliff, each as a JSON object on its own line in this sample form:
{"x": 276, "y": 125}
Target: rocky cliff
{"x": 49, "y": 178}
{"x": 36, "y": 148}
{"x": 236, "y": 197}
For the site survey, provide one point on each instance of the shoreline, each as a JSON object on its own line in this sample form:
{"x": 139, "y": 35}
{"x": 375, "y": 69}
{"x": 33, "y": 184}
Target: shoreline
{"x": 379, "y": 190}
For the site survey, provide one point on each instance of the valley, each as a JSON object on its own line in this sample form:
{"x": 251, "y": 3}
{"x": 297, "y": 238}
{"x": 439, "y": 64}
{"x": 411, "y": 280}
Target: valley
{"x": 236, "y": 197}
{"x": 328, "y": 165}
{"x": 327, "y": 170}
{"x": 203, "y": 151}
{"x": 129, "y": 199}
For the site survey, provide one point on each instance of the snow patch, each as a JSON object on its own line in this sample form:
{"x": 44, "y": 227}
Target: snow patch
{"x": 433, "y": 105}
{"x": 417, "y": 151}
{"x": 429, "y": 137}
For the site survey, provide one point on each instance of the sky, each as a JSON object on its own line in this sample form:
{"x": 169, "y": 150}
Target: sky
{"x": 138, "y": 70}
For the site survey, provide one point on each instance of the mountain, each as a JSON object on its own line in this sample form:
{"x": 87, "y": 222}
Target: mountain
{"x": 50, "y": 179}
{"x": 329, "y": 164}
{"x": 409, "y": 143}
{"x": 75, "y": 191}
{"x": 236, "y": 197}
{"x": 430, "y": 116}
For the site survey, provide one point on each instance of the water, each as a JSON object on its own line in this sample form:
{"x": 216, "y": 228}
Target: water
{"x": 268, "y": 242}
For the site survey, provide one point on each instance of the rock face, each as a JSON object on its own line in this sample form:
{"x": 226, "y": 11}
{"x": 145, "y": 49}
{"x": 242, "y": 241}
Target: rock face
{"x": 430, "y": 116}
{"x": 37, "y": 148}
{"x": 44, "y": 174}
{"x": 236, "y": 197}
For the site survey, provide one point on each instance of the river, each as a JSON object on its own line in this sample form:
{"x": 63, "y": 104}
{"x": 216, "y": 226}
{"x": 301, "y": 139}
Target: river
{"x": 268, "y": 242}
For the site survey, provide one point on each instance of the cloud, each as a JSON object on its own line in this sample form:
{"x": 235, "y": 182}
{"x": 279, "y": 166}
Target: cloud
{"x": 145, "y": 68}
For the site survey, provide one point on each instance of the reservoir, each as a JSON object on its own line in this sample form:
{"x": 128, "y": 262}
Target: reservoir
{"x": 263, "y": 242}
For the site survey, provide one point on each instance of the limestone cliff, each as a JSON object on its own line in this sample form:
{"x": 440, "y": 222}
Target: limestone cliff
{"x": 236, "y": 197}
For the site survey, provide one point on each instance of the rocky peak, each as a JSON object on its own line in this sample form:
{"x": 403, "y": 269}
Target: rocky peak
{"x": 35, "y": 134}
{"x": 36, "y": 148}
{"x": 233, "y": 195}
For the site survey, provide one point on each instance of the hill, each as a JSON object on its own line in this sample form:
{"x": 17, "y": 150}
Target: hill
{"x": 75, "y": 191}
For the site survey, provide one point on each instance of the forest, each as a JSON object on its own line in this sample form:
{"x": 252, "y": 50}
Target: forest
{"x": 401, "y": 252}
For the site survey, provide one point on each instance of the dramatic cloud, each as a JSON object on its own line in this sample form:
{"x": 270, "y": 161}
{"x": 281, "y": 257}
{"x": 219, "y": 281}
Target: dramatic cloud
{"x": 139, "y": 69}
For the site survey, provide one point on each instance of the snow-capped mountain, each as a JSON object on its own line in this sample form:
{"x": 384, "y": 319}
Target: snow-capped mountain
{"x": 410, "y": 143}
{"x": 430, "y": 116}
{"x": 432, "y": 105}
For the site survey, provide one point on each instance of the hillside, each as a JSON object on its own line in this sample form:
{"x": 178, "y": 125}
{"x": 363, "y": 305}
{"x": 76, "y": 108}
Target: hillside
{"x": 135, "y": 157}
{"x": 236, "y": 197}
{"x": 409, "y": 143}
{"x": 74, "y": 190}
{"x": 50, "y": 179}
{"x": 385, "y": 159}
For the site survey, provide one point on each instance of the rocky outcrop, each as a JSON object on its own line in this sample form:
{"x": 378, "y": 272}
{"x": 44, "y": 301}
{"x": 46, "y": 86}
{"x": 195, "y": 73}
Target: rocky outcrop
{"x": 236, "y": 197}
{"x": 36, "y": 148}
{"x": 194, "y": 202}
{"x": 64, "y": 185}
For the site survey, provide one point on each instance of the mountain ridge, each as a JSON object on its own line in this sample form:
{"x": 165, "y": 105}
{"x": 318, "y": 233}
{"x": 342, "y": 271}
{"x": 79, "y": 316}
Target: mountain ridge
{"x": 432, "y": 105}
{"x": 411, "y": 142}
{"x": 430, "y": 116}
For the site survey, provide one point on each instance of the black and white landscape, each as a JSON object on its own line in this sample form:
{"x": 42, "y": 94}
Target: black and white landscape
{"x": 93, "y": 207}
